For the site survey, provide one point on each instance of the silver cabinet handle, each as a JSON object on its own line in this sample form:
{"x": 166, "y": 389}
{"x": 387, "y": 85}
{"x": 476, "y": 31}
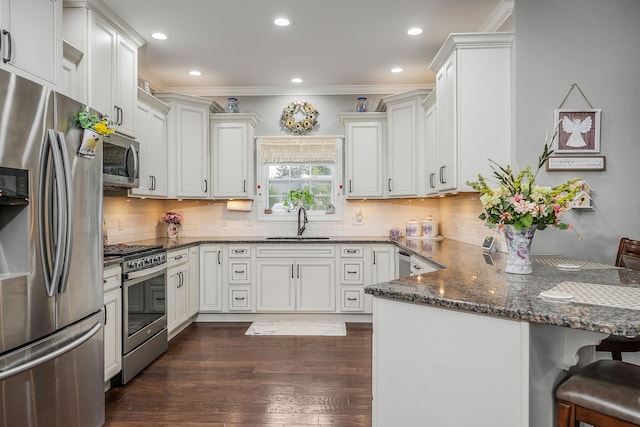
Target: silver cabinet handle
{"x": 432, "y": 175}
{"x": 351, "y": 272}
{"x": 389, "y": 184}
{"x": 8, "y": 57}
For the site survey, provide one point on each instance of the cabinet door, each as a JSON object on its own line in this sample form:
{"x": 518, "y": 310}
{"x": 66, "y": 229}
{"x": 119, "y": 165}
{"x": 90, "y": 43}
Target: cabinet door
{"x": 363, "y": 159}
{"x": 32, "y": 44}
{"x": 112, "y": 333}
{"x": 446, "y": 150}
{"x": 229, "y": 159}
{"x": 192, "y": 151}
{"x": 177, "y": 281}
{"x": 275, "y": 285}
{"x": 316, "y": 285}
{"x": 126, "y": 86}
{"x": 402, "y": 151}
{"x": 193, "y": 289}
{"x": 210, "y": 278}
{"x": 157, "y": 137}
{"x": 431, "y": 141}
{"x": 143, "y": 113}
{"x": 102, "y": 66}
{"x": 383, "y": 260}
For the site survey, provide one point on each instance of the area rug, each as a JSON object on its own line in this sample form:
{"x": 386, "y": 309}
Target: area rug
{"x": 298, "y": 327}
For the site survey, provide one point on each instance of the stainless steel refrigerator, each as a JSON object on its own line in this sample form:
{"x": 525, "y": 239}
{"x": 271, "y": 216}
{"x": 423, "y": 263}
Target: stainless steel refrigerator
{"x": 51, "y": 318}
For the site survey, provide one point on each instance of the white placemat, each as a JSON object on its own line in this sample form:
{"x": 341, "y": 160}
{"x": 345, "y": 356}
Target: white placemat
{"x": 606, "y": 295}
{"x": 555, "y": 261}
{"x": 282, "y": 327}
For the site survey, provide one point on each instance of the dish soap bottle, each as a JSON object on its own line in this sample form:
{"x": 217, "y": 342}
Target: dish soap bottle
{"x": 413, "y": 228}
{"x": 429, "y": 227}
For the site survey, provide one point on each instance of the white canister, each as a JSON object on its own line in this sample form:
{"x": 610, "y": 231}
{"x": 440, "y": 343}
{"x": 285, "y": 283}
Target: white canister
{"x": 429, "y": 227}
{"x": 413, "y": 228}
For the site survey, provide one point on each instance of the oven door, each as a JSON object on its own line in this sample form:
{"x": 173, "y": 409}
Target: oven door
{"x": 144, "y": 306}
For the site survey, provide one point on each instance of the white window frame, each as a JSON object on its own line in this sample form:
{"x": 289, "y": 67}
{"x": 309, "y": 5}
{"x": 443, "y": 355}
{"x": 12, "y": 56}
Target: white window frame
{"x": 283, "y": 216}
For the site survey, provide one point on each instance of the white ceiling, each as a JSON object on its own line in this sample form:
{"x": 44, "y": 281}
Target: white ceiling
{"x": 336, "y": 46}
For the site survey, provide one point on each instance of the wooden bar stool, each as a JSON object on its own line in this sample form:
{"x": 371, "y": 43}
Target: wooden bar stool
{"x": 605, "y": 393}
{"x": 628, "y": 256}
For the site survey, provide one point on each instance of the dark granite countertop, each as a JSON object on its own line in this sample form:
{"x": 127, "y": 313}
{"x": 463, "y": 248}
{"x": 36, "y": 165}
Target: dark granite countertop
{"x": 467, "y": 282}
{"x": 471, "y": 284}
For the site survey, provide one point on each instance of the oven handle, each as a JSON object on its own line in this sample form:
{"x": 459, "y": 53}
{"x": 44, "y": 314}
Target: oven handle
{"x": 146, "y": 272}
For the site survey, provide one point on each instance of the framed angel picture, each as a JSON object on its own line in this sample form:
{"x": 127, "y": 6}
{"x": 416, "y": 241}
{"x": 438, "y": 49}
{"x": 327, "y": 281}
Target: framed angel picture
{"x": 578, "y": 130}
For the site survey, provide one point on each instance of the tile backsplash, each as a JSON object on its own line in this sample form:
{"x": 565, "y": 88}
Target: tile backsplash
{"x": 131, "y": 219}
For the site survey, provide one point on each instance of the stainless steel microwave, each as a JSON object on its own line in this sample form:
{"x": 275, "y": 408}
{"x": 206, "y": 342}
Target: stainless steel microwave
{"x": 121, "y": 162}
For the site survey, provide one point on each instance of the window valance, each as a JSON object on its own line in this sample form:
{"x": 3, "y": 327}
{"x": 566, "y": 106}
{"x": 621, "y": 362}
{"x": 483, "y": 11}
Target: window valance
{"x": 297, "y": 149}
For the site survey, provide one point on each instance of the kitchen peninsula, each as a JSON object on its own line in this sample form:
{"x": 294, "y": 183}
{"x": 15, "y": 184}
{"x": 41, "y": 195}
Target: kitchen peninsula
{"x": 471, "y": 333}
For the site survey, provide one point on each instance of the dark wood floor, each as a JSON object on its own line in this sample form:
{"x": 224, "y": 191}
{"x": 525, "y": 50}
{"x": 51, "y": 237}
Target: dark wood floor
{"x": 214, "y": 375}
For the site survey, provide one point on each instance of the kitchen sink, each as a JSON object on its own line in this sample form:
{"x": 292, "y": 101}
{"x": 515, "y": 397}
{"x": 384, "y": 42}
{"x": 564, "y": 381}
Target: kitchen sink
{"x": 298, "y": 238}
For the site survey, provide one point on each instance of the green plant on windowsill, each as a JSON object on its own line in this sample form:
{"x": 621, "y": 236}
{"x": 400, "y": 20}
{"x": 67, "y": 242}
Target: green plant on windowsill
{"x": 299, "y": 198}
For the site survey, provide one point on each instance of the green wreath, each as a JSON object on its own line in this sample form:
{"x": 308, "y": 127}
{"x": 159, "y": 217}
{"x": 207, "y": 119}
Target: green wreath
{"x": 299, "y": 117}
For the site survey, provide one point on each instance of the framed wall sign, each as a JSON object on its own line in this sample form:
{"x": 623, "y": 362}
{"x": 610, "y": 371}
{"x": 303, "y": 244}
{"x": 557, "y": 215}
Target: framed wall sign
{"x": 576, "y": 163}
{"x": 578, "y": 130}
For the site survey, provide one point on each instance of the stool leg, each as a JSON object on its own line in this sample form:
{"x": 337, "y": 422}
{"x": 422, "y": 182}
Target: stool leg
{"x": 566, "y": 414}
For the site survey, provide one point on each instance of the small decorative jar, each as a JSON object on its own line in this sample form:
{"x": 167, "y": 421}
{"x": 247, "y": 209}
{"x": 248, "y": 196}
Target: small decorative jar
{"x": 429, "y": 227}
{"x": 231, "y": 105}
{"x": 363, "y": 105}
{"x": 413, "y": 228}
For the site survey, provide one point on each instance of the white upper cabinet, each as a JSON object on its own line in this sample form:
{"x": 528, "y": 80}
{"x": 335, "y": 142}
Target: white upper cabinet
{"x": 364, "y": 152}
{"x": 31, "y": 39}
{"x": 113, "y": 74}
{"x": 106, "y": 75}
{"x": 474, "y": 107}
{"x": 188, "y": 142}
{"x": 232, "y": 155}
{"x": 405, "y": 144}
{"x": 431, "y": 142}
{"x": 151, "y": 127}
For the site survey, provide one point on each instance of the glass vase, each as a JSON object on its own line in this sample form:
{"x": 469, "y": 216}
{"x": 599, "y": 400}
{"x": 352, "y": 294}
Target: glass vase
{"x": 519, "y": 247}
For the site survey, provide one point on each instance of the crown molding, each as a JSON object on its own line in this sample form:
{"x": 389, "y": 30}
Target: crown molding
{"x": 299, "y": 91}
{"x": 499, "y": 17}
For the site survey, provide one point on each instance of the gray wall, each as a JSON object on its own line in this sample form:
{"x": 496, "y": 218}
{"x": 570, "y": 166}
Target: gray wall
{"x": 595, "y": 44}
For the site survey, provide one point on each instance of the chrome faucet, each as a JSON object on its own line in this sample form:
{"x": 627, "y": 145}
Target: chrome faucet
{"x": 304, "y": 222}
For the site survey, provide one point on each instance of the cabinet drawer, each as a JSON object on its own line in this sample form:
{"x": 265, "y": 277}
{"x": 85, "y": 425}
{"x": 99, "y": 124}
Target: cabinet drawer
{"x": 301, "y": 250}
{"x": 112, "y": 278}
{"x": 352, "y": 300}
{"x": 239, "y": 299}
{"x": 239, "y": 251}
{"x": 351, "y": 251}
{"x": 177, "y": 257}
{"x": 239, "y": 272}
{"x": 352, "y": 272}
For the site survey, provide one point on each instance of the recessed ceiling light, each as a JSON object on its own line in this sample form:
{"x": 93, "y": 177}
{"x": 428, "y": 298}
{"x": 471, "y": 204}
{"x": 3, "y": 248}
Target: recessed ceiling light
{"x": 282, "y": 21}
{"x": 296, "y": 80}
{"x": 397, "y": 70}
{"x": 195, "y": 73}
{"x": 159, "y": 36}
{"x": 415, "y": 31}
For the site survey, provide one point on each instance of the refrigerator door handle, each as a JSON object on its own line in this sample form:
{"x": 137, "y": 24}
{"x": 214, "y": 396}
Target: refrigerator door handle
{"x": 68, "y": 214}
{"x": 53, "y": 355}
{"x": 51, "y": 252}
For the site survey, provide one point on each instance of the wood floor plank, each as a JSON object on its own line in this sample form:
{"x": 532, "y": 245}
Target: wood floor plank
{"x": 215, "y": 376}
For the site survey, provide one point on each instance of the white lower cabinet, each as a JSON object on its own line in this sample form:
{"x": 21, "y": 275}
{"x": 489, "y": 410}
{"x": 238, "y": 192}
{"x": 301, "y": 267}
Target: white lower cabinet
{"x": 295, "y": 278}
{"x": 193, "y": 299}
{"x": 275, "y": 286}
{"x": 238, "y": 278}
{"x": 420, "y": 266}
{"x": 177, "y": 290}
{"x": 211, "y": 278}
{"x": 113, "y": 321}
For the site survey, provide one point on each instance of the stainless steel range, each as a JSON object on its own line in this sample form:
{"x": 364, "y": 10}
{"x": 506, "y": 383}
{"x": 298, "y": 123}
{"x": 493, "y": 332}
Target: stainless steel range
{"x": 144, "y": 310}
